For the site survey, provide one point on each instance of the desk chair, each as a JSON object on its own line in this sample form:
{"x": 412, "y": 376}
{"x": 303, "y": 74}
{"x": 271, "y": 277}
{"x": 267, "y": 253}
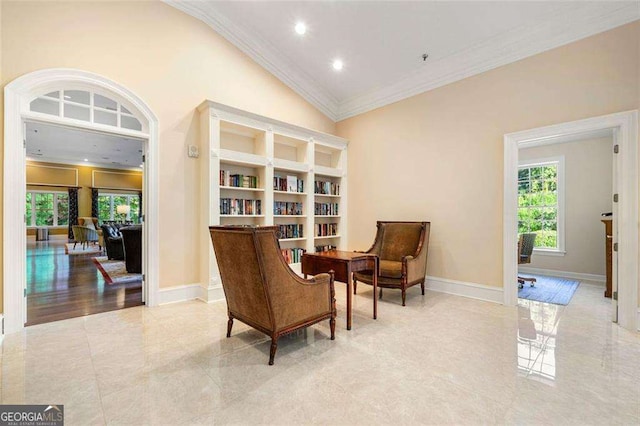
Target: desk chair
{"x": 525, "y": 250}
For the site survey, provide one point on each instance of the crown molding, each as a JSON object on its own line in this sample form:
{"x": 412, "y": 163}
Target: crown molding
{"x": 567, "y": 23}
{"x": 516, "y": 44}
{"x": 265, "y": 54}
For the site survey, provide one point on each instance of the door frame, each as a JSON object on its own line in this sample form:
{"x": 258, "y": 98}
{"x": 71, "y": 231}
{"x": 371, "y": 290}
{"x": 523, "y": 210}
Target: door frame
{"x": 625, "y": 130}
{"x": 17, "y": 96}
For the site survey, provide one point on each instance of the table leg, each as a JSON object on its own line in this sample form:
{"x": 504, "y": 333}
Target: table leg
{"x": 375, "y": 289}
{"x": 349, "y": 296}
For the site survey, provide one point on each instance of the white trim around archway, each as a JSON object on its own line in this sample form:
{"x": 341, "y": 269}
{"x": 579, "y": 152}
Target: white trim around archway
{"x": 625, "y": 130}
{"x": 17, "y": 96}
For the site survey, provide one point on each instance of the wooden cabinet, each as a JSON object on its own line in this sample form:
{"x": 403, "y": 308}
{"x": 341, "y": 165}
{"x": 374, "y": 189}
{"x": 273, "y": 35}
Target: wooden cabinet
{"x": 608, "y": 236}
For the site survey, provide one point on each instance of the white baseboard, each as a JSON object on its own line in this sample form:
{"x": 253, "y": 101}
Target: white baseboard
{"x": 182, "y": 293}
{"x": 466, "y": 289}
{"x": 563, "y": 274}
{"x": 1, "y": 328}
{"x": 638, "y": 321}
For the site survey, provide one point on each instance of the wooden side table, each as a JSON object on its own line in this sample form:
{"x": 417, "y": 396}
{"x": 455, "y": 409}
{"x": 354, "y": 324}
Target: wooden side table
{"x": 343, "y": 264}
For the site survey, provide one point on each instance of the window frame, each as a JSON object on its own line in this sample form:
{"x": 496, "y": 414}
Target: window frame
{"x": 112, "y": 207}
{"x": 55, "y": 209}
{"x": 559, "y": 162}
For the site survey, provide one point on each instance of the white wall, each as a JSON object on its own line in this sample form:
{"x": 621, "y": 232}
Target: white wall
{"x": 588, "y": 192}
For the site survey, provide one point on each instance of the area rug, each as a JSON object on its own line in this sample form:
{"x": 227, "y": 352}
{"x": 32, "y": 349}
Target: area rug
{"x": 558, "y": 291}
{"x": 89, "y": 249}
{"x": 115, "y": 271}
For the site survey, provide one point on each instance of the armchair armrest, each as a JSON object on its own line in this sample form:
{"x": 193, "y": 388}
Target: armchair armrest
{"x": 415, "y": 268}
{"x": 296, "y": 300}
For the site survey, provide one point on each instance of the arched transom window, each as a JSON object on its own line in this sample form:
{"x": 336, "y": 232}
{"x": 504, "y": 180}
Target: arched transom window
{"x": 86, "y": 106}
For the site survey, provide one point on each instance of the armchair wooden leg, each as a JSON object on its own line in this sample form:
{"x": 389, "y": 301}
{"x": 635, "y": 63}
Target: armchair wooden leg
{"x": 422, "y": 286}
{"x": 404, "y": 296}
{"x": 229, "y": 326}
{"x": 274, "y": 348}
{"x": 380, "y": 297}
{"x": 332, "y": 324}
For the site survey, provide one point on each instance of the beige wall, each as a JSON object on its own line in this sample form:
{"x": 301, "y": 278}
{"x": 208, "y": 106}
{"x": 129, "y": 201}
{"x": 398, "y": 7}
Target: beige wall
{"x": 173, "y": 62}
{"x": 588, "y": 192}
{"x": 438, "y": 156}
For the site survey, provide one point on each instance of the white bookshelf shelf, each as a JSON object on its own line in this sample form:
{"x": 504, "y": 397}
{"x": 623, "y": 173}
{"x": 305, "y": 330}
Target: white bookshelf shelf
{"x": 238, "y": 188}
{"x": 328, "y": 215}
{"x": 275, "y": 191}
{"x": 289, "y": 215}
{"x": 248, "y": 144}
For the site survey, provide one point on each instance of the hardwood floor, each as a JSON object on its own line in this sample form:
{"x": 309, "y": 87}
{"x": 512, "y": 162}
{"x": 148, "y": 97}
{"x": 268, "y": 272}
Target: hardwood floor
{"x": 60, "y": 286}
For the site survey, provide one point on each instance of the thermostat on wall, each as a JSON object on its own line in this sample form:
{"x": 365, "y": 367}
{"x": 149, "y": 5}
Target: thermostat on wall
{"x": 193, "y": 151}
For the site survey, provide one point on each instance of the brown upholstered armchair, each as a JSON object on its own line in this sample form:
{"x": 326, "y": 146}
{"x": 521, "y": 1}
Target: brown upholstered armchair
{"x": 262, "y": 290}
{"x": 402, "y": 248}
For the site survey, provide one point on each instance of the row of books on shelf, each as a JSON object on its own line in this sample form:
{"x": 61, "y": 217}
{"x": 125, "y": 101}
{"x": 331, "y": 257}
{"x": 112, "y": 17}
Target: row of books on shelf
{"x": 237, "y": 180}
{"x": 326, "y": 229}
{"x": 328, "y": 247}
{"x": 293, "y": 255}
{"x": 287, "y": 208}
{"x": 326, "y": 188}
{"x": 238, "y": 206}
{"x": 294, "y": 230}
{"x": 288, "y": 183}
{"x": 326, "y": 209}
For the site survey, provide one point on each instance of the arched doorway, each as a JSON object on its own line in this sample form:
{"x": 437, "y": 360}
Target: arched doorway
{"x": 19, "y": 95}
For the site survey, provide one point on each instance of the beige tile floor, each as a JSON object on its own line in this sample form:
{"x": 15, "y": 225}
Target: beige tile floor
{"x": 441, "y": 359}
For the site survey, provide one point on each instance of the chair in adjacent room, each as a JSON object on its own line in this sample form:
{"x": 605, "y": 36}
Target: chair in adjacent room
{"x": 112, "y": 240}
{"x": 402, "y": 249}
{"x": 84, "y": 235}
{"x": 132, "y": 244}
{"x": 261, "y": 289}
{"x": 526, "y": 242}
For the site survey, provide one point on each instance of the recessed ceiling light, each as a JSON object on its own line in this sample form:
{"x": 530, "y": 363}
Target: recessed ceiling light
{"x": 337, "y": 64}
{"x": 301, "y": 28}
{"x": 86, "y": 159}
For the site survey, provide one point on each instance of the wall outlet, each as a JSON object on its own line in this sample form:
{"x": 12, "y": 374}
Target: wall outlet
{"x": 193, "y": 151}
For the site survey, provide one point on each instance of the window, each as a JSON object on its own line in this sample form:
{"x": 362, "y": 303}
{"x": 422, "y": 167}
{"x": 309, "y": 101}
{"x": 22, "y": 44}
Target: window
{"x": 540, "y": 202}
{"x": 47, "y": 208}
{"x": 108, "y": 205}
{"x": 86, "y": 106}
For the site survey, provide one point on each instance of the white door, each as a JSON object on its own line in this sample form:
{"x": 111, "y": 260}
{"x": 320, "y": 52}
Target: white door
{"x": 614, "y": 231}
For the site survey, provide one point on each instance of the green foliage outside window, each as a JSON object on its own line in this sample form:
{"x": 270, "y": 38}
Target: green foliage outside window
{"x": 46, "y": 209}
{"x": 63, "y": 209}
{"x": 538, "y": 203}
{"x": 104, "y": 208}
{"x": 28, "y": 210}
{"x": 108, "y": 205}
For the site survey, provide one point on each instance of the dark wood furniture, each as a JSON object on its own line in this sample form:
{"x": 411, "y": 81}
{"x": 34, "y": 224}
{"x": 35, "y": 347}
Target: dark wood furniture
{"x": 343, "y": 264}
{"x": 261, "y": 289}
{"x": 608, "y": 236}
{"x": 402, "y": 248}
{"x": 526, "y": 243}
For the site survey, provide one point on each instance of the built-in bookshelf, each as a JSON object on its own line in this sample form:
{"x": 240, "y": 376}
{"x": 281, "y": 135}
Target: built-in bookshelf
{"x": 260, "y": 171}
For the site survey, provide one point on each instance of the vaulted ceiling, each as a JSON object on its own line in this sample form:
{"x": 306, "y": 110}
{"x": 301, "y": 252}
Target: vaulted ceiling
{"x": 381, "y": 43}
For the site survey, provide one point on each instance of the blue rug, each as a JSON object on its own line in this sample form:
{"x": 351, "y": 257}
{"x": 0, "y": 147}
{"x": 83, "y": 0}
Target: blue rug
{"x": 558, "y": 291}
